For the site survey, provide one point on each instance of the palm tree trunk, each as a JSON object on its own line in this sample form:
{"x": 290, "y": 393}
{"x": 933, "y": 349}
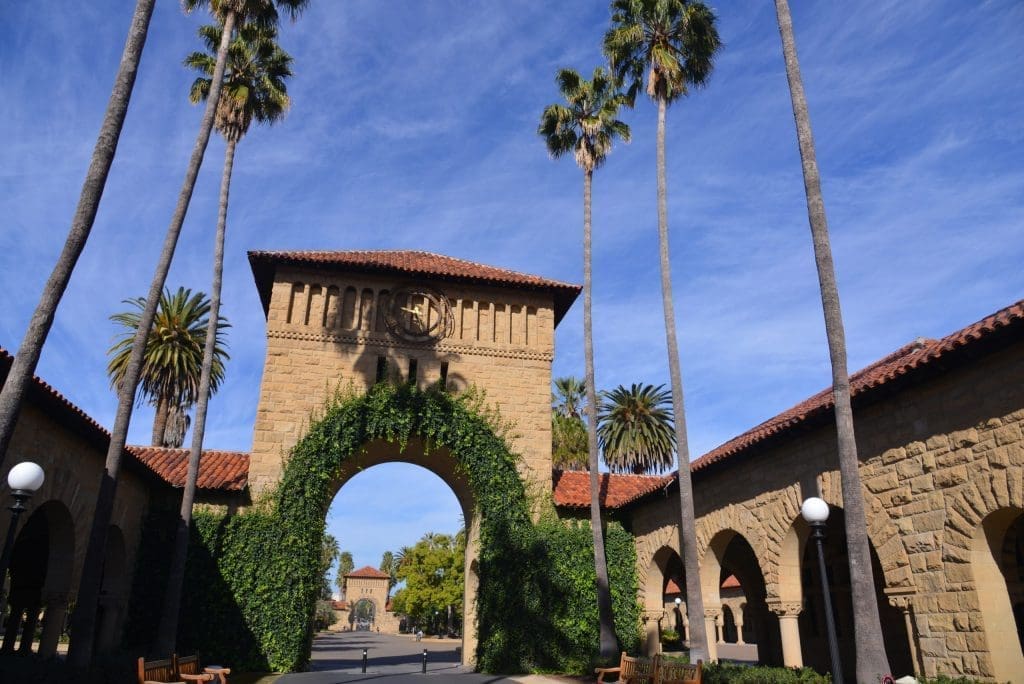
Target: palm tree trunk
{"x": 168, "y": 630}
{"x": 83, "y": 624}
{"x": 872, "y": 662}
{"x": 609, "y": 645}
{"x": 27, "y": 358}
{"x": 687, "y": 522}
{"x": 163, "y": 410}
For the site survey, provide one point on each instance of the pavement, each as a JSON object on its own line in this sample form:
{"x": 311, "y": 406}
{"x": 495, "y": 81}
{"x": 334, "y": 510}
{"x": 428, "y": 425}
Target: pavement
{"x": 338, "y": 656}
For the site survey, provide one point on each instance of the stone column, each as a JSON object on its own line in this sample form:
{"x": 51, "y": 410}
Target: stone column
{"x": 13, "y": 624}
{"x": 720, "y": 628}
{"x": 711, "y": 618}
{"x": 789, "y": 630}
{"x": 738, "y": 619}
{"x": 652, "y": 631}
{"x": 28, "y": 632}
{"x": 904, "y": 602}
{"x": 53, "y": 622}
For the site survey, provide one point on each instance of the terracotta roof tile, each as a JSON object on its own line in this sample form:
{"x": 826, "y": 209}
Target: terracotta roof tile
{"x": 731, "y": 582}
{"x": 368, "y": 571}
{"x": 220, "y": 470}
{"x": 409, "y": 263}
{"x": 671, "y": 587}
{"x": 572, "y": 488}
{"x": 918, "y": 356}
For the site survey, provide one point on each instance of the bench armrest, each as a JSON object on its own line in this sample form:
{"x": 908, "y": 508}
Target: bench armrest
{"x": 197, "y": 677}
{"x": 602, "y": 671}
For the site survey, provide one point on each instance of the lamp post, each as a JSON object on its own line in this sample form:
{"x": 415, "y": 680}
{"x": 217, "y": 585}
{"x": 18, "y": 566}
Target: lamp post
{"x": 23, "y": 479}
{"x": 815, "y": 512}
{"x": 679, "y": 620}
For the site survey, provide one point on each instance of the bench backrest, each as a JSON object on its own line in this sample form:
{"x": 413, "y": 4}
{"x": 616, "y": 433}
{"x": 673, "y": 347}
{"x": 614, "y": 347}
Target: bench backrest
{"x": 636, "y": 670}
{"x": 156, "y": 670}
{"x": 676, "y": 672}
{"x": 187, "y": 665}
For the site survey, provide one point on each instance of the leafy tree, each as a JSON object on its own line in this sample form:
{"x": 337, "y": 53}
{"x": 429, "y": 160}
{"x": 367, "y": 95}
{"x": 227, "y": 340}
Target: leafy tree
{"x": 25, "y": 361}
{"x": 568, "y": 442}
{"x": 174, "y": 355}
{"x": 635, "y": 429}
{"x": 253, "y": 90}
{"x": 586, "y": 126}
{"x": 433, "y": 571}
{"x": 345, "y": 566}
{"x": 872, "y": 662}
{"x": 83, "y": 624}
{"x": 670, "y": 45}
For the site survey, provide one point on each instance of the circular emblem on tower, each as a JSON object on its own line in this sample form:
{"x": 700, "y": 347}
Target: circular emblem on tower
{"x": 418, "y": 313}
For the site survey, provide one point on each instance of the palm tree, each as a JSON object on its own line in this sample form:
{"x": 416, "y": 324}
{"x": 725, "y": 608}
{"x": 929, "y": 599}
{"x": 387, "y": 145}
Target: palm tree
{"x": 586, "y": 128}
{"x": 569, "y": 396}
{"x": 253, "y": 90}
{"x": 83, "y": 624}
{"x": 173, "y": 359}
{"x": 389, "y": 564}
{"x": 634, "y": 427}
{"x": 670, "y": 44}
{"x": 872, "y": 662}
{"x": 25, "y": 361}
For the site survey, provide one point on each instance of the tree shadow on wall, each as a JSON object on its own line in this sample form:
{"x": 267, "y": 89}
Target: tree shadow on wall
{"x": 210, "y": 620}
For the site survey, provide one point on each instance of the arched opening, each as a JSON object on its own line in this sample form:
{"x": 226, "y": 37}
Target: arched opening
{"x": 997, "y": 561}
{"x": 813, "y": 629}
{"x": 729, "y": 634}
{"x": 731, "y": 576}
{"x": 40, "y": 579}
{"x": 664, "y": 584}
{"x": 411, "y": 503}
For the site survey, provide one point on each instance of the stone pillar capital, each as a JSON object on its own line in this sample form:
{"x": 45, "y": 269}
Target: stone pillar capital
{"x": 904, "y": 600}
{"x": 785, "y": 609}
{"x": 656, "y": 615}
{"x": 713, "y": 613}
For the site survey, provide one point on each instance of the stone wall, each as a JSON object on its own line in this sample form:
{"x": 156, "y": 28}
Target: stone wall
{"x": 73, "y": 461}
{"x": 942, "y": 467}
{"x": 325, "y": 330}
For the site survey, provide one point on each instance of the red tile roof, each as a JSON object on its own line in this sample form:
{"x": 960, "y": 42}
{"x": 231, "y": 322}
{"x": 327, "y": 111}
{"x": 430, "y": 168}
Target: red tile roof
{"x": 220, "y": 470}
{"x": 572, "y": 488}
{"x": 339, "y": 605}
{"x": 672, "y": 588}
{"x": 368, "y": 571}
{"x": 408, "y": 263}
{"x": 913, "y": 361}
{"x": 916, "y": 361}
{"x": 731, "y": 582}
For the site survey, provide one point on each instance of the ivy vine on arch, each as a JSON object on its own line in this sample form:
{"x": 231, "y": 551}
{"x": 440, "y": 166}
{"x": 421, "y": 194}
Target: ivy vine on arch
{"x": 253, "y": 576}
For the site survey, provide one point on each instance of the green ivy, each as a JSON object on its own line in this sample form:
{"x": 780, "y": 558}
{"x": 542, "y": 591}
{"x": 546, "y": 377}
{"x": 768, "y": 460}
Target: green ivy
{"x": 253, "y": 579}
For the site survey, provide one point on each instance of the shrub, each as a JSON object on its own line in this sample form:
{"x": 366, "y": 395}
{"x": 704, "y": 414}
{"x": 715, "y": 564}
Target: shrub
{"x": 729, "y": 673}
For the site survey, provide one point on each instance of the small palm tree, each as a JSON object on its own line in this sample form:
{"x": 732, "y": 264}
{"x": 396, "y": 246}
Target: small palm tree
{"x": 174, "y": 354}
{"x": 670, "y": 45}
{"x": 635, "y": 428}
{"x": 569, "y": 396}
{"x": 872, "y": 663}
{"x": 253, "y": 90}
{"x": 585, "y": 127}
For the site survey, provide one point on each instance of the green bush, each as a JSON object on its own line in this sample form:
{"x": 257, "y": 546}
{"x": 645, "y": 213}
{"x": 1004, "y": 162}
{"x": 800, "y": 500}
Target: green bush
{"x": 253, "y": 578}
{"x": 728, "y": 673}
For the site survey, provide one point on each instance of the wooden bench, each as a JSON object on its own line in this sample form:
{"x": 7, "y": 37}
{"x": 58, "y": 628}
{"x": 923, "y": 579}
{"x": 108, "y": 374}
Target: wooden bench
{"x": 659, "y": 670}
{"x": 175, "y": 670}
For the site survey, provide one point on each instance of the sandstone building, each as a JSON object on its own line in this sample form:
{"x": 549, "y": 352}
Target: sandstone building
{"x": 939, "y": 426}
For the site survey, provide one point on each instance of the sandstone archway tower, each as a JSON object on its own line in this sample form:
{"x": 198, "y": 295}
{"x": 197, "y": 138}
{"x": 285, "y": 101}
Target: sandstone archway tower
{"x": 328, "y": 325}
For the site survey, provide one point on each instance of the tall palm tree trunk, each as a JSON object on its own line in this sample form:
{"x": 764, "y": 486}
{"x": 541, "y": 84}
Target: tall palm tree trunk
{"x": 168, "y": 630}
{"x": 27, "y": 358}
{"x": 872, "y": 662}
{"x": 161, "y": 414}
{"x": 83, "y": 624}
{"x": 687, "y": 522}
{"x": 609, "y": 645}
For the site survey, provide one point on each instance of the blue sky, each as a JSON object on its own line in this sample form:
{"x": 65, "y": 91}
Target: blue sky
{"x": 413, "y": 126}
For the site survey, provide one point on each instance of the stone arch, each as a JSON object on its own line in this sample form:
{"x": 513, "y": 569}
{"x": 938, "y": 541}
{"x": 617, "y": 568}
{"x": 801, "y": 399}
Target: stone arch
{"x": 665, "y": 566}
{"x": 443, "y": 434}
{"x": 41, "y": 564}
{"x": 664, "y": 537}
{"x": 998, "y": 585}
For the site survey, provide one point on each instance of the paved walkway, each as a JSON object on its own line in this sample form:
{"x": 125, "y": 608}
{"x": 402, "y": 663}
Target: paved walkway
{"x": 337, "y": 658}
